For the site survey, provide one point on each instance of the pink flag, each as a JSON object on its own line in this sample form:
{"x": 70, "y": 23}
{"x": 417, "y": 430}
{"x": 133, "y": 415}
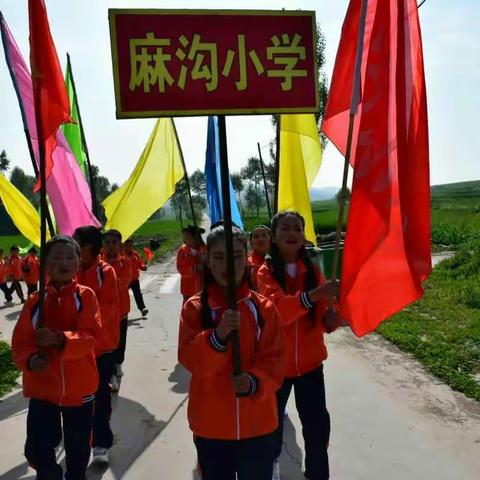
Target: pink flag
{"x": 66, "y": 186}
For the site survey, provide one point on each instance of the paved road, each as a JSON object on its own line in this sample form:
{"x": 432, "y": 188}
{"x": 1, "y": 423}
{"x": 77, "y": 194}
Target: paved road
{"x": 390, "y": 420}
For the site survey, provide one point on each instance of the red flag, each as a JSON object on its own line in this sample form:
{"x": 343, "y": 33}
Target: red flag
{"x": 387, "y": 248}
{"x": 148, "y": 253}
{"x": 50, "y": 95}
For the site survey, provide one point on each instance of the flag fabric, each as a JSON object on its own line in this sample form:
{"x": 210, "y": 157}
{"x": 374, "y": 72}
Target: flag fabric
{"x": 387, "y": 247}
{"x": 148, "y": 253}
{"x": 67, "y": 188}
{"x": 300, "y": 160}
{"x": 72, "y": 131}
{"x": 20, "y": 210}
{"x": 151, "y": 183}
{"x": 213, "y": 178}
{"x": 50, "y": 95}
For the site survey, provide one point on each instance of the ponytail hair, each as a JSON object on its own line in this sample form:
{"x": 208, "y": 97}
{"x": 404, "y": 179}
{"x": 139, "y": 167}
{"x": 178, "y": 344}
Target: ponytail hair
{"x": 277, "y": 264}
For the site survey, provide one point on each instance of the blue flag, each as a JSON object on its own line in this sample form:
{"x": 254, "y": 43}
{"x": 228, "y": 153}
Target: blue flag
{"x": 213, "y": 178}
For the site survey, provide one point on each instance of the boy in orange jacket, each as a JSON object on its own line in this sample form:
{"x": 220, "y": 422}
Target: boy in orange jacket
{"x": 232, "y": 417}
{"x": 102, "y": 279}
{"x": 31, "y": 270}
{"x": 190, "y": 261}
{"x": 14, "y": 263}
{"x": 137, "y": 265}
{"x": 3, "y": 279}
{"x": 57, "y": 358}
{"x": 112, "y": 254}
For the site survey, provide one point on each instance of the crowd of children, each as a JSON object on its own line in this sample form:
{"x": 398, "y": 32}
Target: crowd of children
{"x": 14, "y": 269}
{"x": 71, "y": 356}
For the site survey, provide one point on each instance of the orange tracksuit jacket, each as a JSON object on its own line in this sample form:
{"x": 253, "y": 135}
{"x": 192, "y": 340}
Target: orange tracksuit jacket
{"x": 3, "y": 270}
{"x": 32, "y": 265}
{"x": 305, "y": 345}
{"x": 136, "y": 263}
{"x": 255, "y": 261}
{"x": 213, "y": 409}
{"x": 71, "y": 377}
{"x": 187, "y": 259}
{"x": 123, "y": 268}
{"x": 102, "y": 279}
{"x": 15, "y": 267}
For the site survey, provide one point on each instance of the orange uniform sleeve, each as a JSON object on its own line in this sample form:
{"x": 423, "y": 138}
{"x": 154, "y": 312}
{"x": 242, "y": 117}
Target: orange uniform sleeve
{"x": 23, "y": 339}
{"x": 108, "y": 297}
{"x": 125, "y": 275}
{"x": 289, "y": 306}
{"x": 269, "y": 362}
{"x": 185, "y": 263}
{"x": 195, "y": 351}
{"x": 82, "y": 340}
{"x": 140, "y": 263}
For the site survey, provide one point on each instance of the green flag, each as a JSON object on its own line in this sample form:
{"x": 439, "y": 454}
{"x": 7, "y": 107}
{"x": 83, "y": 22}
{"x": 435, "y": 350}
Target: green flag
{"x": 73, "y": 131}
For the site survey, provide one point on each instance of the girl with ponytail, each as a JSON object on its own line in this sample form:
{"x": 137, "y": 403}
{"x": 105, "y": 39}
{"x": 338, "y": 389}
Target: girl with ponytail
{"x": 298, "y": 289}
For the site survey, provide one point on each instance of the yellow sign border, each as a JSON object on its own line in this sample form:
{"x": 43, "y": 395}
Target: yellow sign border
{"x": 121, "y": 114}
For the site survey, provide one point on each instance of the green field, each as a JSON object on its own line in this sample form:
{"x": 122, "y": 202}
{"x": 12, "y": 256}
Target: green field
{"x": 442, "y": 330}
{"x": 8, "y": 372}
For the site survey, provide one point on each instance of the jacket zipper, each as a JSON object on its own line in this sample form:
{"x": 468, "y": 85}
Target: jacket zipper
{"x": 238, "y": 417}
{"x": 62, "y": 372}
{"x": 296, "y": 347}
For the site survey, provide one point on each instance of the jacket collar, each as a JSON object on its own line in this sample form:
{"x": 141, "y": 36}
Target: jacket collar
{"x": 216, "y": 299}
{"x": 64, "y": 290}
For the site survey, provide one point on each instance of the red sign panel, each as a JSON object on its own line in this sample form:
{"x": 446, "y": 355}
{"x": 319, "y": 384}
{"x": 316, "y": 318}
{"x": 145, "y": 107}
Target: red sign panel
{"x": 200, "y": 62}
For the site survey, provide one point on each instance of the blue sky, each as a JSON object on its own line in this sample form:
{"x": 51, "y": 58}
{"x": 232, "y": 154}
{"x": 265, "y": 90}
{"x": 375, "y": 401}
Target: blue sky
{"x": 451, "y": 36}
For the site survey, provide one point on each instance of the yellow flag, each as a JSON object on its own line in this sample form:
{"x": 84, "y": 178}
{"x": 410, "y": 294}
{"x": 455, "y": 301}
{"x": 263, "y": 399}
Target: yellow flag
{"x": 150, "y": 185}
{"x": 300, "y": 160}
{"x": 21, "y": 211}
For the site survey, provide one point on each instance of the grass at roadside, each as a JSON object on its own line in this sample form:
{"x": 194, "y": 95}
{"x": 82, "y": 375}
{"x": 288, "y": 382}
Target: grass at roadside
{"x": 8, "y": 372}
{"x": 442, "y": 330}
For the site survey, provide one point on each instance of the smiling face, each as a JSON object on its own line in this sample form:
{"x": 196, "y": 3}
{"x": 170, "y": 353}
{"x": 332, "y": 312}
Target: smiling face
{"x": 261, "y": 241}
{"x": 289, "y": 236}
{"x": 62, "y": 263}
{"x": 217, "y": 261}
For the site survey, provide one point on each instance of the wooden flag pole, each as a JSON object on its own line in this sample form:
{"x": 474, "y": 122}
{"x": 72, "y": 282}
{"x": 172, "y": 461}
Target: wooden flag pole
{"x": 187, "y": 180}
{"x": 91, "y": 176}
{"x": 355, "y": 100}
{"x": 277, "y": 164}
{"x": 227, "y": 220}
{"x": 264, "y": 180}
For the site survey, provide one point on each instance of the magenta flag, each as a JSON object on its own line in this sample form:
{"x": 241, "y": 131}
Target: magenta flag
{"x": 66, "y": 186}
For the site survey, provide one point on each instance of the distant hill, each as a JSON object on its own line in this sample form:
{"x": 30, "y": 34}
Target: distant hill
{"x": 325, "y": 193}
{"x": 458, "y": 190}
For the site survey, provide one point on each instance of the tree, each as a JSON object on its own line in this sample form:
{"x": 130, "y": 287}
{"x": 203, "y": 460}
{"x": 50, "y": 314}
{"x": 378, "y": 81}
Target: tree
{"x": 24, "y": 183}
{"x": 237, "y": 184}
{"x": 254, "y": 199}
{"x": 197, "y": 182}
{"x": 338, "y": 196}
{"x": 178, "y": 199}
{"x": 4, "y": 162}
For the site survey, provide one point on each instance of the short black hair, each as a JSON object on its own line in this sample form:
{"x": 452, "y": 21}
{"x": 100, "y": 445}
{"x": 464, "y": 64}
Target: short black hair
{"x": 32, "y": 250}
{"x": 113, "y": 233}
{"x": 89, "y": 235}
{"x": 14, "y": 248}
{"x": 63, "y": 239}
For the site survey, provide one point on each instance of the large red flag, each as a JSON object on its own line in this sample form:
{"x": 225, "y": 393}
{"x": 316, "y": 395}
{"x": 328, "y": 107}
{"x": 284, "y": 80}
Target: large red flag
{"x": 387, "y": 247}
{"x": 51, "y": 98}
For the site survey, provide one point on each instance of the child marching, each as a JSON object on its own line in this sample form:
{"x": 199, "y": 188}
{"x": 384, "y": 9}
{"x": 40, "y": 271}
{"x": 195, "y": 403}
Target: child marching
{"x": 14, "y": 264}
{"x": 137, "y": 265}
{"x": 57, "y": 360}
{"x": 301, "y": 294}
{"x": 190, "y": 261}
{"x": 112, "y": 254}
{"x": 31, "y": 270}
{"x": 102, "y": 279}
{"x": 232, "y": 417}
{"x": 260, "y": 239}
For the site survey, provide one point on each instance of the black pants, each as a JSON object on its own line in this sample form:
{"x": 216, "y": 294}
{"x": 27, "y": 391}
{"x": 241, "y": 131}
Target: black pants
{"x": 6, "y": 291}
{"x": 102, "y": 433}
{"x": 119, "y": 354}
{"x": 44, "y": 433}
{"x": 311, "y": 405}
{"x": 251, "y": 458}
{"x": 16, "y": 287}
{"x": 31, "y": 288}
{"x": 137, "y": 293}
